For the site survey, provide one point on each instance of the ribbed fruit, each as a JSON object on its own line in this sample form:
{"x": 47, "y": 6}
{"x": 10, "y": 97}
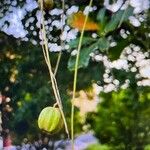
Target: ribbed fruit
{"x": 47, "y": 4}
{"x": 50, "y": 120}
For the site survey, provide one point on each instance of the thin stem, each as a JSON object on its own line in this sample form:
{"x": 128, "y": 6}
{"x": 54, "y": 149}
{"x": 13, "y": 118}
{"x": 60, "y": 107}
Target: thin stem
{"x": 62, "y": 29}
{"x": 55, "y": 105}
{"x": 57, "y": 63}
{"x": 75, "y": 76}
{"x": 52, "y": 77}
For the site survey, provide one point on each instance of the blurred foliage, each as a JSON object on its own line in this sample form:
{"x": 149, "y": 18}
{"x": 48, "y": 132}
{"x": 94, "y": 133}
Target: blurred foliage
{"x": 111, "y": 25}
{"x": 122, "y": 119}
{"x": 98, "y": 147}
{"x": 147, "y": 147}
{"x": 30, "y": 89}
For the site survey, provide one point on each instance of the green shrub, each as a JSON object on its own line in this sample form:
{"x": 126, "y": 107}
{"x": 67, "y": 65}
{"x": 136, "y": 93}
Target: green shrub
{"x": 147, "y": 147}
{"x": 98, "y": 147}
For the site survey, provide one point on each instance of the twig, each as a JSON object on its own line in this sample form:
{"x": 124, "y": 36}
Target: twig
{"x": 62, "y": 29}
{"x": 52, "y": 77}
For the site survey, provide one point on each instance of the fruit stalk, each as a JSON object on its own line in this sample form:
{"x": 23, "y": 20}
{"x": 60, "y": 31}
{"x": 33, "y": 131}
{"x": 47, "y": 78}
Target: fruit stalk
{"x": 52, "y": 77}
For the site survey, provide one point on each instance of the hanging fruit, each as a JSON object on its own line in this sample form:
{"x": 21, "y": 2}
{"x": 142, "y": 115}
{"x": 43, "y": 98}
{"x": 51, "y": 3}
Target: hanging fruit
{"x": 76, "y": 20}
{"x": 47, "y": 4}
{"x": 50, "y": 120}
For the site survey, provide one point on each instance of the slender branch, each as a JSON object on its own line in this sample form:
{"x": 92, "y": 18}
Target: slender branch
{"x": 75, "y": 76}
{"x": 57, "y": 63}
{"x": 62, "y": 29}
{"x": 52, "y": 77}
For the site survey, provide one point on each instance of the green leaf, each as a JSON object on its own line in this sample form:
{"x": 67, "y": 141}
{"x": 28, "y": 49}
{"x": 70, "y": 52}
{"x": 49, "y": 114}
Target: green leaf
{"x": 103, "y": 44}
{"x": 127, "y": 13}
{"x": 83, "y": 59}
{"x": 114, "y": 52}
{"x": 101, "y": 16}
{"x": 118, "y": 18}
{"x": 85, "y": 41}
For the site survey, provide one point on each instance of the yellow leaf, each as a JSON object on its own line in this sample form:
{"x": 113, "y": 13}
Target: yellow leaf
{"x": 76, "y": 20}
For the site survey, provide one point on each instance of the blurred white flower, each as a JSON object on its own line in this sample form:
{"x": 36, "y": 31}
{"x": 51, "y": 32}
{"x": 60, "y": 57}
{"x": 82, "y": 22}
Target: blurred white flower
{"x": 120, "y": 64}
{"x": 56, "y": 11}
{"x": 113, "y": 44}
{"x": 139, "y": 5}
{"x": 87, "y": 10}
{"x": 145, "y": 71}
{"x": 116, "y": 82}
{"x": 145, "y": 82}
{"x": 98, "y": 58}
{"x": 74, "y": 52}
{"x": 54, "y": 47}
{"x": 57, "y": 24}
{"x": 110, "y": 87}
{"x": 134, "y": 21}
{"x": 72, "y": 9}
{"x": 94, "y": 35}
{"x": 71, "y": 35}
{"x": 125, "y": 85}
{"x": 113, "y": 7}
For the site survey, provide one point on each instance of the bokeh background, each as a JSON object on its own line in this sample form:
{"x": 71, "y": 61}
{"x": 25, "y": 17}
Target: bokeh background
{"x": 112, "y": 104}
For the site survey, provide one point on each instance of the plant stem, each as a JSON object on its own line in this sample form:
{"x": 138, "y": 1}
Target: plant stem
{"x": 52, "y": 77}
{"x": 75, "y": 76}
{"x": 62, "y": 29}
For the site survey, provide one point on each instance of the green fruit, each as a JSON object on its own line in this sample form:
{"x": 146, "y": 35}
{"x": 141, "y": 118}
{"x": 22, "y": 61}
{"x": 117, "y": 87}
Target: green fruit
{"x": 50, "y": 120}
{"x": 47, "y": 4}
